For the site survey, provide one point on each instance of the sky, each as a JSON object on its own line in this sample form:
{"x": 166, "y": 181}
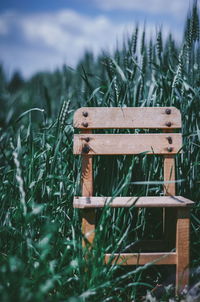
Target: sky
{"x": 42, "y": 35}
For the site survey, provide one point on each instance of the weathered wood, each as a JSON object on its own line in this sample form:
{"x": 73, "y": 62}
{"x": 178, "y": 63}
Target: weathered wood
{"x": 139, "y": 202}
{"x": 88, "y": 215}
{"x": 167, "y": 144}
{"x": 141, "y": 258}
{"x": 182, "y": 248}
{"x": 127, "y": 117}
{"x": 169, "y": 214}
{"x": 111, "y": 144}
{"x": 169, "y": 175}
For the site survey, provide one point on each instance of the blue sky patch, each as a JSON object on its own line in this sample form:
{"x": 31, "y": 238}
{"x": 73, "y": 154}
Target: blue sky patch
{"x": 42, "y": 35}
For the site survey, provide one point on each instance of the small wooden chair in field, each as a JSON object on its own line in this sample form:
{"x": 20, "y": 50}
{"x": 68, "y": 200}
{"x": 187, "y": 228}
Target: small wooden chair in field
{"x": 175, "y": 208}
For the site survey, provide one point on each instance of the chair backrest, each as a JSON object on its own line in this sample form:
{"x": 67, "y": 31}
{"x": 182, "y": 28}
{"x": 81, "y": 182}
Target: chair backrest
{"x": 166, "y": 143}
{"x": 146, "y": 117}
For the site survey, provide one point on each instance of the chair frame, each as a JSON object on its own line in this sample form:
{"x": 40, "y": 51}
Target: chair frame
{"x": 176, "y": 209}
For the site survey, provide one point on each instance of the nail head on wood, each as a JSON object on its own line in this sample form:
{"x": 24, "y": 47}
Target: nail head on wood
{"x": 168, "y": 124}
{"x": 168, "y": 111}
{"x": 85, "y": 114}
{"x": 85, "y": 124}
{"x": 86, "y": 149}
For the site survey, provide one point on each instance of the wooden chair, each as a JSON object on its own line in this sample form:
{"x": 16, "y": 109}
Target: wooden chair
{"x": 175, "y": 208}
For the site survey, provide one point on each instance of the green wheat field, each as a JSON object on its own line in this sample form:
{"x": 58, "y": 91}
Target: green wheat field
{"x": 41, "y": 254}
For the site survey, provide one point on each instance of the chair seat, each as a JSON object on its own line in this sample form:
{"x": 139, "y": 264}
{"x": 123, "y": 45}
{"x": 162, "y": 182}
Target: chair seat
{"x": 125, "y": 202}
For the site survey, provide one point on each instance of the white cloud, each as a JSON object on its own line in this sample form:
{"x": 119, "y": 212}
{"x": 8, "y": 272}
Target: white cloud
{"x": 67, "y": 31}
{"x": 166, "y": 7}
{"x": 57, "y": 37}
{"x": 43, "y": 41}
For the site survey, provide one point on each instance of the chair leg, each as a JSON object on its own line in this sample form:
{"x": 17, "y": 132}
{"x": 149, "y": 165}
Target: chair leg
{"x": 88, "y": 225}
{"x": 182, "y": 248}
{"x": 88, "y": 215}
{"x": 169, "y": 227}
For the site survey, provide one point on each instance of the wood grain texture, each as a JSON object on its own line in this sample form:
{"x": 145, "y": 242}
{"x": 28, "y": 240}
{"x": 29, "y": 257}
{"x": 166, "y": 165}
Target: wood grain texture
{"x": 169, "y": 174}
{"x": 111, "y": 144}
{"x": 139, "y": 202}
{"x": 182, "y": 248}
{"x": 169, "y": 214}
{"x": 127, "y": 117}
{"x": 88, "y": 215}
{"x": 176, "y": 208}
{"x": 141, "y": 258}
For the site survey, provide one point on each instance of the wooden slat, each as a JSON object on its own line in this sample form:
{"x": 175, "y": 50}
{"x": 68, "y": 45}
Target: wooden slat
{"x": 111, "y": 144}
{"x": 127, "y": 117}
{"x": 141, "y": 258}
{"x": 182, "y": 249}
{"x": 88, "y": 215}
{"x": 125, "y": 202}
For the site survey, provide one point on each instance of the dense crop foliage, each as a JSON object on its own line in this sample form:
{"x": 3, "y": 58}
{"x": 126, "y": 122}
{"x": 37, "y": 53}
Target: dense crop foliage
{"x": 41, "y": 258}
